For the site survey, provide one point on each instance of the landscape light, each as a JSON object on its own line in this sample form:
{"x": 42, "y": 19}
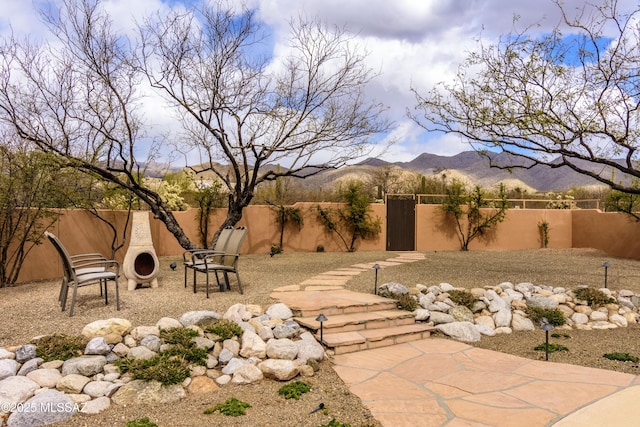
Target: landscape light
{"x": 321, "y": 318}
{"x": 546, "y": 327}
{"x": 606, "y": 267}
{"x": 375, "y": 283}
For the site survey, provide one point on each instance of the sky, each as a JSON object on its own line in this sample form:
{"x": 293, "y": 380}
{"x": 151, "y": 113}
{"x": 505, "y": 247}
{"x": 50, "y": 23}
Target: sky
{"x": 413, "y": 43}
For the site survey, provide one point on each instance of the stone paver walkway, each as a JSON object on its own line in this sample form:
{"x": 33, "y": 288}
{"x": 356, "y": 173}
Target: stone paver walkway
{"x": 440, "y": 382}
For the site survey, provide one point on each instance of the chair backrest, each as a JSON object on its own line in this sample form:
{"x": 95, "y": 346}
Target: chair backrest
{"x": 64, "y": 255}
{"x": 223, "y": 239}
{"x": 233, "y": 245}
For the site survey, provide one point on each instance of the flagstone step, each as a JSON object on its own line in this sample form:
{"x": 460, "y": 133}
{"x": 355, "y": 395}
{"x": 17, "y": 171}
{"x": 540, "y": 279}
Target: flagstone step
{"x": 332, "y": 303}
{"x": 348, "y": 342}
{"x": 359, "y": 321}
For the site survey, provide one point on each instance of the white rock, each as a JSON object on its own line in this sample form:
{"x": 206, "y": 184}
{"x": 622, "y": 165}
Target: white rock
{"x": 223, "y": 379}
{"x": 521, "y": 323}
{"x": 438, "y": 318}
{"x": 421, "y": 314}
{"x": 168, "y": 323}
{"x": 618, "y": 320}
{"x": 601, "y": 324}
{"x": 282, "y": 370}
{"x": 247, "y": 374}
{"x": 104, "y": 327}
{"x": 282, "y": 348}
{"x": 72, "y": 383}
{"x": 200, "y": 318}
{"x": 141, "y": 352}
{"x": 598, "y": 316}
{"x": 485, "y": 321}
{"x": 579, "y": 318}
{"x": 503, "y": 317}
{"x": 237, "y": 313}
{"x": 485, "y": 330}
{"x": 139, "y": 332}
{"x": 97, "y": 345}
{"x": 15, "y": 390}
{"x": 233, "y": 365}
{"x": 503, "y": 330}
{"x": 8, "y": 368}
{"x": 96, "y": 388}
{"x": 309, "y": 348}
{"x": 40, "y": 414}
{"x": 461, "y": 331}
{"x": 253, "y": 346}
{"x": 96, "y": 406}
{"x": 279, "y": 311}
{"x": 46, "y": 378}
{"x": 446, "y": 287}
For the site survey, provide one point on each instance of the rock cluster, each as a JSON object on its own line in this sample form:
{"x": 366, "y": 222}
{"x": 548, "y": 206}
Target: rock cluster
{"x": 502, "y": 309}
{"x": 33, "y": 392}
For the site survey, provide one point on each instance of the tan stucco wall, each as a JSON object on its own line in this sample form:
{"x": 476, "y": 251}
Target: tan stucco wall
{"x": 613, "y": 233}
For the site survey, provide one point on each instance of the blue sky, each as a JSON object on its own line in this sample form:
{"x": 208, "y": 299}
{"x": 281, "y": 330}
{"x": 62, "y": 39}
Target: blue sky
{"x": 412, "y": 42}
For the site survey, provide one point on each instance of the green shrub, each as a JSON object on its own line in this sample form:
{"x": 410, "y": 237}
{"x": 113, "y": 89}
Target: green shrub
{"x": 557, "y": 335}
{"x": 163, "y": 368}
{"x": 334, "y": 423}
{"x": 462, "y": 297}
{"x": 179, "y": 336}
{"x": 191, "y": 354}
{"x": 142, "y": 422}
{"x": 552, "y": 347}
{"x": 553, "y": 315}
{"x": 405, "y": 301}
{"x": 593, "y": 297}
{"x": 232, "y": 407}
{"x": 294, "y": 390}
{"x": 225, "y": 329}
{"x": 622, "y": 357}
{"x": 59, "y": 347}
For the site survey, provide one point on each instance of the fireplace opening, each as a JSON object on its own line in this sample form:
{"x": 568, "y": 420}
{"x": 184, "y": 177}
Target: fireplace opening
{"x": 144, "y": 265}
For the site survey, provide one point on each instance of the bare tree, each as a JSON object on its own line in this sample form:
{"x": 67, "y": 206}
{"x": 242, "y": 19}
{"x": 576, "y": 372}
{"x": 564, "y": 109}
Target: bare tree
{"x": 78, "y": 97}
{"x": 81, "y": 96}
{"x": 557, "y": 100}
{"x": 244, "y": 114}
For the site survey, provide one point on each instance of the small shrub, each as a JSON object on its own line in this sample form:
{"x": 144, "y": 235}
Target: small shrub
{"x": 232, "y": 407}
{"x": 593, "y": 297}
{"x": 622, "y": 357}
{"x": 163, "y": 368}
{"x": 178, "y": 336}
{"x": 59, "y": 347}
{"x": 462, "y": 297}
{"x": 552, "y": 347}
{"x": 294, "y": 390}
{"x": 405, "y": 301}
{"x": 224, "y": 328}
{"x": 553, "y": 315}
{"x": 191, "y": 354}
{"x": 557, "y": 335}
{"x": 334, "y": 423}
{"x": 142, "y": 422}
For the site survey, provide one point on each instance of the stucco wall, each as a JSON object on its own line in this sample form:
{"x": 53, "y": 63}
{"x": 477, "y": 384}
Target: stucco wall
{"x": 613, "y": 233}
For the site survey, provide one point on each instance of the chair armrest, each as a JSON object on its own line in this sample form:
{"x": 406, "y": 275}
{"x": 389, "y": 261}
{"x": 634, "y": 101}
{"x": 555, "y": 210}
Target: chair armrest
{"x": 102, "y": 263}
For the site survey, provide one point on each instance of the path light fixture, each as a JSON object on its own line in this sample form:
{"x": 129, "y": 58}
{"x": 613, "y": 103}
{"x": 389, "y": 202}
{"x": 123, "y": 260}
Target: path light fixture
{"x": 546, "y": 327}
{"x": 321, "y": 318}
{"x": 606, "y": 267}
{"x": 375, "y": 283}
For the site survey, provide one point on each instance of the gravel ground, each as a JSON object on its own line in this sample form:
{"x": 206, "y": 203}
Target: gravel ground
{"x": 31, "y": 309}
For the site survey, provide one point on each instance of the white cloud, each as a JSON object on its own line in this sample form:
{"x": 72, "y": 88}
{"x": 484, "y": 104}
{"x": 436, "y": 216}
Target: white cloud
{"x": 411, "y": 42}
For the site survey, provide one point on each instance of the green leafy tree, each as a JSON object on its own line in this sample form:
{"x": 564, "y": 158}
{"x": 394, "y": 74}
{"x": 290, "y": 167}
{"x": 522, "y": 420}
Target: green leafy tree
{"x": 473, "y": 214}
{"x": 354, "y": 221}
{"x": 628, "y": 203}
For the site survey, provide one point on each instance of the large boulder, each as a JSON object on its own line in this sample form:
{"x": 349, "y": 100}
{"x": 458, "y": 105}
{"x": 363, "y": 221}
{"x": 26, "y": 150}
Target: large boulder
{"x": 104, "y": 327}
{"x": 65, "y": 408}
{"x": 461, "y": 331}
{"x": 147, "y": 393}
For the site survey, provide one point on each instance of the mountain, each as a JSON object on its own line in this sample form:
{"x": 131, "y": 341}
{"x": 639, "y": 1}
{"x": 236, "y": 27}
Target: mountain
{"x": 476, "y": 169}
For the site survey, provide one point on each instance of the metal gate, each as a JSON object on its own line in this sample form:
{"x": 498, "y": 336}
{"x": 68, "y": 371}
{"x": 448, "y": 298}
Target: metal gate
{"x": 401, "y": 222}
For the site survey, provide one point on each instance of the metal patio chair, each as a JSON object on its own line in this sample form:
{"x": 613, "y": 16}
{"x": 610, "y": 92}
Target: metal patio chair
{"x": 191, "y": 258}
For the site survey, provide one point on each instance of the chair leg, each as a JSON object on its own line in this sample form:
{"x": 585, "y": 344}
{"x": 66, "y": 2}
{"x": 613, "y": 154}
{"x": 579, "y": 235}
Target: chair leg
{"x": 226, "y": 281}
{"x": 117, "y": 295}
{"x": 73, "y": 299}
{"x": 207, "y": 274}
{"x": 185, "y": 277}
{"x": 218, "y": 281}
{"x": 194, "y": 280}
{"x": 239, "y": 284}
{"x": 106, "y": 293}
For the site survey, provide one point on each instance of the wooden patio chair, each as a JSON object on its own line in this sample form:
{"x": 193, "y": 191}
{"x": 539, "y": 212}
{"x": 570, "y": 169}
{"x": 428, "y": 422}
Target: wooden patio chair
{"x": 83, "y": 270}
{"x": 225, "y": 263}
{"x": 191, "y": 258}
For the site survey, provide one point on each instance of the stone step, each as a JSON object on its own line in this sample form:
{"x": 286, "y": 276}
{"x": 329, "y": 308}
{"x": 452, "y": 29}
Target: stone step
{"x": 348, "y": 342}
{"x": 359, "y": 321}
{"x": 332, "y": 303}
{"x": 345, "y": 309}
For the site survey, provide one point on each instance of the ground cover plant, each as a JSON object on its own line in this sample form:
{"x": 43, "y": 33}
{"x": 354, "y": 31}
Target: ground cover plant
{"x": 232, "y": 407}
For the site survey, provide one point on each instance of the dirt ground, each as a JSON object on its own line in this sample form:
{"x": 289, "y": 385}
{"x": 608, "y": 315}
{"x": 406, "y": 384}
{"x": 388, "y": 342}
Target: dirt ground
{"x": 31, "y": 309}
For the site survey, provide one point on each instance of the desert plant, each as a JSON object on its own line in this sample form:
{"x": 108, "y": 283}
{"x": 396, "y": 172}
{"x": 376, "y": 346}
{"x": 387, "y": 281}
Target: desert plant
{"x": 471, "y": 212}
{"x": 142, "y": 422}
{"x": 59, "y": 347}
{"x": 334, "y": 423}
{"x": 553, "y": 315}
{"x": 557, "y": 335}
{"x": 354, "y": 221}
{"x": 231, "y": 407}
{"x": 163, "y": 368}
{"x": 286, "y": 215}
{"x": 593, "y": 297}
{"x": 462, "y": 297}
{"x": 294, "y": 390}
{"x": 622, "y": 357}
{"x": 179, "y": 336}
{"x": 543, "y": 226}
{"x": 552, "y": 348}
{"x": 405, "y": 301}
{"x": 224, "y": 328}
